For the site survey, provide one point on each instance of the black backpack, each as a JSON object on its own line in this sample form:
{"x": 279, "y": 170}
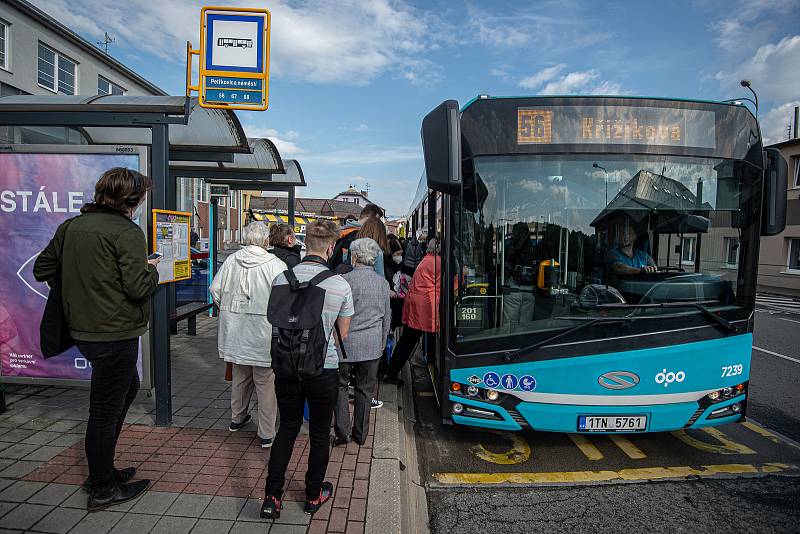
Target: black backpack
{"x": 299, "y": 344}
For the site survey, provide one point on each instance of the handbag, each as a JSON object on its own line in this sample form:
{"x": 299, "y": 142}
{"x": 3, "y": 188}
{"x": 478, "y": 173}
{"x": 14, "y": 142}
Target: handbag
{"x": 54, "y": 336}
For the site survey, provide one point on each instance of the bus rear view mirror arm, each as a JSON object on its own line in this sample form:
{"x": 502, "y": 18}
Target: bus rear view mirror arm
{"x": 773, "y": 212}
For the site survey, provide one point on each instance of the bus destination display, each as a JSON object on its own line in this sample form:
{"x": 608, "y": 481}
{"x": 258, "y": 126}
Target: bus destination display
{"x": 620, "y": 125}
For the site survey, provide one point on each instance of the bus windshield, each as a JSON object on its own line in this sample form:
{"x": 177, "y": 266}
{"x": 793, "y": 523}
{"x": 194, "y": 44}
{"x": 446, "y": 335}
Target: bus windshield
{"x": 544, "y": 242}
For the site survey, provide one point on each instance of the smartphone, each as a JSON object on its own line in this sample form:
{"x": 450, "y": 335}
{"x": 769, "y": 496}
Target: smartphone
{"x": 154, "y": 256}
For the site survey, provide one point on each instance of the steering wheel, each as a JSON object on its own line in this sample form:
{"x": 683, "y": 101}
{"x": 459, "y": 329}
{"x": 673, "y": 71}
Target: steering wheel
{"x": 671, "y": 269}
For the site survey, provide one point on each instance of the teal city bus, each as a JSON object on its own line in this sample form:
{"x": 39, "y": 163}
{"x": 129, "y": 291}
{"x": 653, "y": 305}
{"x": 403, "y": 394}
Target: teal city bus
{"x": 599, "y": 260}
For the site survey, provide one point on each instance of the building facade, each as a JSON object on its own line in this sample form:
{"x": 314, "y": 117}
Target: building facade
{"x": 352, "y": 195}
{"x": 779, "y": 257}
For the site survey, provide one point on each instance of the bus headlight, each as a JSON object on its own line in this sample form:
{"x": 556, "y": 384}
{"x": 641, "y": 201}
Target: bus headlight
{"x": 713, "y": 396}
{"x": 492, "y": 395}
{"x": 472, "y": 391}
{"x": 458, "y": 408}
{"x": 736, "y": 408}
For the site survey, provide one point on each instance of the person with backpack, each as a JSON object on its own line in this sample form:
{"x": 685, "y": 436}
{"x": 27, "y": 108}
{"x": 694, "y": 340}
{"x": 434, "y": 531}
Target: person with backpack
{"x": 99, "y": 261}
{"x": 415, "y": 251}
{"x": 307, "y": 305}
{"x": 347, "y": 234}
{"x": 241, "y": 291}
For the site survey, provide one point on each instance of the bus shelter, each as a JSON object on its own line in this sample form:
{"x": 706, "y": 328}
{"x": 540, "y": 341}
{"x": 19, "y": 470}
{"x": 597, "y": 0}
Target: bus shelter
{"x": 162, "y": 129}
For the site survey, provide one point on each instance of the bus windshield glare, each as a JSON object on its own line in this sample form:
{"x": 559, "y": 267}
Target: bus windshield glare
{"x": 543, "y": 242}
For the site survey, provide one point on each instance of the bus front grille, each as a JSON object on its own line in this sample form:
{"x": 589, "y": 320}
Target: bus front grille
{"x": 516, "y": 416}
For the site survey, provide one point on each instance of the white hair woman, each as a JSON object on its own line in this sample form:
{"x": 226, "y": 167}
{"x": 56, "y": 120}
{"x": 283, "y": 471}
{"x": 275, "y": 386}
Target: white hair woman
{"x": 364, "y": 344}
{"x": 241, "y": 291}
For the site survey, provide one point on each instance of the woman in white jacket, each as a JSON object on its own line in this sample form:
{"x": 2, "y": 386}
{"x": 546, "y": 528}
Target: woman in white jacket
{"x": 241, "y": 291}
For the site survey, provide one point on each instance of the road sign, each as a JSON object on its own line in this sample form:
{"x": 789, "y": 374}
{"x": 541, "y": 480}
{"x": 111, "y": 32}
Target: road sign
{"x": 234, "y": 58}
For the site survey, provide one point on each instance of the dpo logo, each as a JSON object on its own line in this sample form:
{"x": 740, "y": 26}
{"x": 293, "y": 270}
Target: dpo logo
{"x": 668, "y": 378}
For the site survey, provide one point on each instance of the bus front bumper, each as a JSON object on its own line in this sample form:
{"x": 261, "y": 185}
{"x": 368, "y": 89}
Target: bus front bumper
{"x": 564, "y": 418}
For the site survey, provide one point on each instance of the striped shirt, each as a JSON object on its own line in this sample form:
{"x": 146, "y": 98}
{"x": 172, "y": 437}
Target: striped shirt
{"x": 338, "y": 302}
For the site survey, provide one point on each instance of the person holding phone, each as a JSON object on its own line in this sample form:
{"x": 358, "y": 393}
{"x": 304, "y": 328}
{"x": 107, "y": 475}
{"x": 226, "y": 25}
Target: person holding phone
{"x": 106, "y": 280}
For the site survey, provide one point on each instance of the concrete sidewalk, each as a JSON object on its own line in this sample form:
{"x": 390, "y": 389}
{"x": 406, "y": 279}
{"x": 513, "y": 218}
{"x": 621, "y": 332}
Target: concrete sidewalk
{"x": 205, "y": 478}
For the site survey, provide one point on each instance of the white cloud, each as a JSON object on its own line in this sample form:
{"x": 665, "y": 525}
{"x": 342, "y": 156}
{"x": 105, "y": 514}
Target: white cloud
{"x": 319, "y": 42}
{"x": 361, "y": 127}
{"x": 773, "y": 71}
{"x": 365, "y": 155}
{"x": 775, "y": 121}
{"x": 284, "y": 141}
{"x": 529, "y": 184}
{"x": 544, "y": 75}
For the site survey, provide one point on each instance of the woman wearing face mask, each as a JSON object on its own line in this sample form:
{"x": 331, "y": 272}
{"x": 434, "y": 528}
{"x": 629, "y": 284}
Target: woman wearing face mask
{"x": 106, "y": 282}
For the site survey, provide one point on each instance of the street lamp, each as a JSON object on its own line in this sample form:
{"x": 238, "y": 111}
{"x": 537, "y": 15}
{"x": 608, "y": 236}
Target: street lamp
{"x": 746, "y": 84}
{"x": 596, "y": 166}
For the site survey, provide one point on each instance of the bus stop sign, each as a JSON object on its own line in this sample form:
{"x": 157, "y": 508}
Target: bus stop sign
{"x": 234, "y": 58}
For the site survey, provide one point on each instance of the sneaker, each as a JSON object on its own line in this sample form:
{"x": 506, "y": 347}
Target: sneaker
{"x": 118, "y": 494}
{"x": 235, "y": 427}
{"x": 266, "y": 443}
{"x": 271, "y": 509}
{"x": 376, "y": 404}
{"x": 325, "y": 493}
{"x": 121, "y": 475}
{"x": 338, "y": 441}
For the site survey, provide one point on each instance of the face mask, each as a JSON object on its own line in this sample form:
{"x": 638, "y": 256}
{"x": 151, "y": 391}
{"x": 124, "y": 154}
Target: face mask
{"x": 398, "y": 259}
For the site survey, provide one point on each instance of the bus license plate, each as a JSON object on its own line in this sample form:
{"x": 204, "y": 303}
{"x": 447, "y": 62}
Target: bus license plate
{"x": 612, "y": 423}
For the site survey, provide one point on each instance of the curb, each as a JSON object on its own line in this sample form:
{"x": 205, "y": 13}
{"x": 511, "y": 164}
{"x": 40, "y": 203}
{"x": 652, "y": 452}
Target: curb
{"x": 397, "y": 502}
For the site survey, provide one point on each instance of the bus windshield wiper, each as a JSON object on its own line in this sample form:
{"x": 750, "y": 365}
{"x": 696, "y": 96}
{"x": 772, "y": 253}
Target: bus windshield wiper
{"x": 696, "y": 304}
{"x": 514, "y": 354}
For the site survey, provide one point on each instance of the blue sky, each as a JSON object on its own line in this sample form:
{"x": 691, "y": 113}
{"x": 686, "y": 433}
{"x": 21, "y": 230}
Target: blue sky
{"x": 351, "y": 81}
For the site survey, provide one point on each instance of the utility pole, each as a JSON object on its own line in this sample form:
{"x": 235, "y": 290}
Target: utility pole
{"x": 107, "y": 39}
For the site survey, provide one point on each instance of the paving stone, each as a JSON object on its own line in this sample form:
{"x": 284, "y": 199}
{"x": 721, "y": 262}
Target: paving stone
{"x": 251, "y": 511}
{"x": 6, "y": 507}
{"x": 212, "y": 526}
{"x": 19, "y": 469}
{"x": 18, "y": 450}
{"x": 250, "y": 528}
{"x": 76, "y": 500}
{"x": 294, "y": 514}
{"x": 224, "y": 508}
{"x": 42, "y": 438}
{"x": 97, "y": 522}
{"x": 20, "y": 491}
{"x": 174, "y": 525}
{"x": 67, "y": 440}
{"x": 25, "y": 515}
{"x": 135, "y": 524}
{"x": 154, "y": 502}
{"x": 53, "y": 494}
{"x": 6, "y": 462}
{"x": 5, "y": 482}
{"x": 277, "y": 528}
{"x": 16, "y": 435}
{"x": 189, "y": 505}
{"x": 60, "y": 520}
{"x": 44, "y": 454}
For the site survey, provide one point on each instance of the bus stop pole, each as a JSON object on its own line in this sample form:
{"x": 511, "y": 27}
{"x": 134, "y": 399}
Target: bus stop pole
{"x": 290, "y": 207}
{"x": 213, "y": 207}
{"x": 162, "y": 372}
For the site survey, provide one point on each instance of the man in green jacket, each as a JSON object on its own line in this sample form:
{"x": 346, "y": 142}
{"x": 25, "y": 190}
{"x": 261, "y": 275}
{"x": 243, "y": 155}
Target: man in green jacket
{"x": 106, "y": 284}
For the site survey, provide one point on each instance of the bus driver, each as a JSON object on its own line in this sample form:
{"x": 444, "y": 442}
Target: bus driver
{"x": 624, "y": 258}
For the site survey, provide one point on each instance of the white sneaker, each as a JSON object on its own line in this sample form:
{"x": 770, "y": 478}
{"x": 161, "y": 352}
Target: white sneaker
{"x": 376, "y": 404}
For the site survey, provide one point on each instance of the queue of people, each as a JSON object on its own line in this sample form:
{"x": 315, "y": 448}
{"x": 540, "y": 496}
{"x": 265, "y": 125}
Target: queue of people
{"x": 299, "y": 332}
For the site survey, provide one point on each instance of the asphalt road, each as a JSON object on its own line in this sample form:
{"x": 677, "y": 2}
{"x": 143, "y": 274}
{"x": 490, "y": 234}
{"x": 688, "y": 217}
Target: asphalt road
{"x": 500, "y": 482}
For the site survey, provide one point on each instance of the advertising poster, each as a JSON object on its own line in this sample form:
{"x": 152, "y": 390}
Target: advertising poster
{"x": 172, "y": 236}
{"x": 39, "y": 191}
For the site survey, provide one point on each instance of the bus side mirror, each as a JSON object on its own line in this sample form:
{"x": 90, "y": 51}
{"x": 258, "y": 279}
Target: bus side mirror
{"x": 773, "y": 201}
{"x": 441, "y": 145}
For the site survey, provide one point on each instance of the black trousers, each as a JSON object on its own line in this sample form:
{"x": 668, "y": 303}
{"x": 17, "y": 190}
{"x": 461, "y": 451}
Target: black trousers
{"x": 115, "y": 382}
{"x": 320, "y": 392}
{"x": 365, "y": 386}
{"x": 402, "y": 351}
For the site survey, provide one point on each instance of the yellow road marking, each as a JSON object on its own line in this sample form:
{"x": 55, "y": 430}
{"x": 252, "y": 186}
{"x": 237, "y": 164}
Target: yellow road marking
{"x": 519, "y": 452}
{"x": 587, "y": 448}
{"x": 758, "y": 429}
{"x": 628, "y": 447}
{"x": 728, "y": 446}
{"x": 644, "y": 473}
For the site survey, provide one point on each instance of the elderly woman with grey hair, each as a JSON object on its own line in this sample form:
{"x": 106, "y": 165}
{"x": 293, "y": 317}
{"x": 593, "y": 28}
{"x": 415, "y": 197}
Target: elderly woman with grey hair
{"x": 364, "y": 345}
{"x": 241, "y": 291}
